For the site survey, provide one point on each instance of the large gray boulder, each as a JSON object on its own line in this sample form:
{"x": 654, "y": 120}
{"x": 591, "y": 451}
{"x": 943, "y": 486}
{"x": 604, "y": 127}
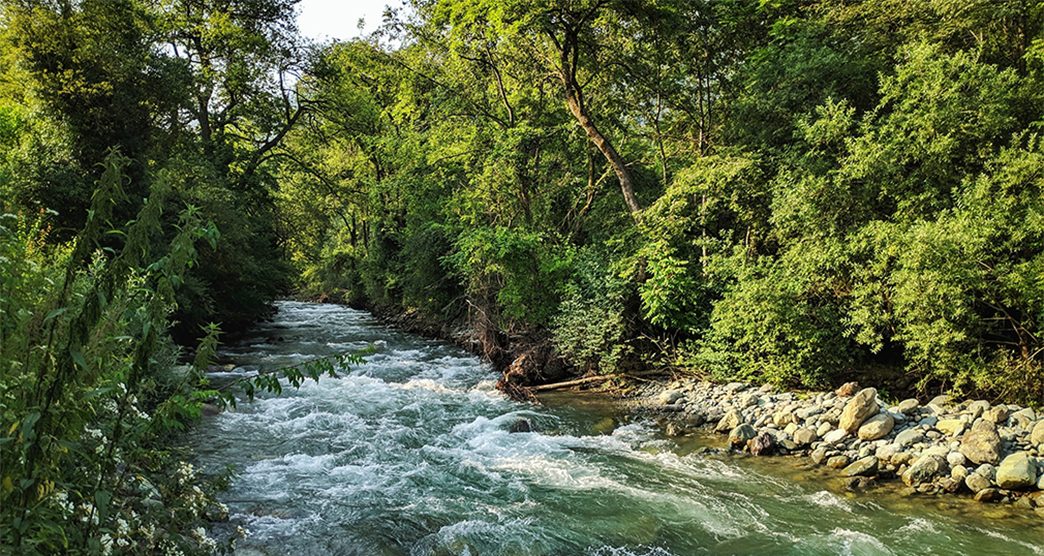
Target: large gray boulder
{"x": 982, "y": 444}
{"x": 741, "y": 434}
{"x": 1017, "y": 471}
{"x": 858, "y": 409}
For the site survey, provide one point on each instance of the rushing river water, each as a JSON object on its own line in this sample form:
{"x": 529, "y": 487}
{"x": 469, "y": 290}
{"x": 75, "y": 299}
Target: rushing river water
{"x": 410, "y": 453}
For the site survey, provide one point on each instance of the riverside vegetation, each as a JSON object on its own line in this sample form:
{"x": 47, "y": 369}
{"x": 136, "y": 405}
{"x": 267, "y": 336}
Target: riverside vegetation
{"x": 790, "y": 192}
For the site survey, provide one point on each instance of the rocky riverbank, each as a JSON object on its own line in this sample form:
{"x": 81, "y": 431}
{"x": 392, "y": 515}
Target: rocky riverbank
{"x": 994, "y": 453}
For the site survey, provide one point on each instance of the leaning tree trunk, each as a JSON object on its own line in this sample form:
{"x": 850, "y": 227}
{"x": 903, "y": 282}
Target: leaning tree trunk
{"x": 606, "y": 148}
{"x": 575, "y": 102}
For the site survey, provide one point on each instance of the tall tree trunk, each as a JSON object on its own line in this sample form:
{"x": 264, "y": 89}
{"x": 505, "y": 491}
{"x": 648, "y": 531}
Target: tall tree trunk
{"x": 575, "y": 102}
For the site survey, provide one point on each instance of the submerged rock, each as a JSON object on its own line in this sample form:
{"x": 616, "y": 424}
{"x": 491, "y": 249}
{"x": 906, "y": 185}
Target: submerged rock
{"x": 521, "y": 425}
{"x": 209, "y": 409}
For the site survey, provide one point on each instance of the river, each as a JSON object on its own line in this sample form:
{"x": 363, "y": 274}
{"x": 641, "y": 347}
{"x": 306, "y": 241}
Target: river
{"x": 410, "y": 453}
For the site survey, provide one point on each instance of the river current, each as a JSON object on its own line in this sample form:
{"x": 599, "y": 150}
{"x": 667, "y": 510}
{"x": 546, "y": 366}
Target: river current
{"x": 411, "y": 453}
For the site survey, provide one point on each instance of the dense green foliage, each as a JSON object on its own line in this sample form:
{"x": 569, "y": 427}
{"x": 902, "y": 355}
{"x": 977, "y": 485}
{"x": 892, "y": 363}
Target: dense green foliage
{"x": 136, "y": 207}
{"x": 793, "y": 191}
{"x": 788, "y": 191}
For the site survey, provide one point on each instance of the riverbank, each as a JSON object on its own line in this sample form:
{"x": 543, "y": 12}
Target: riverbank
{"x": 971, "y": 448}
{"x": 993, "y": 453}
{"x": 413, "y": 451}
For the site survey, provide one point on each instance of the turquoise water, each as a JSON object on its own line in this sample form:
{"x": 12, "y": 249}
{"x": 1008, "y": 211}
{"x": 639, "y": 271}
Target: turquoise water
{"x": 410, "y": 453}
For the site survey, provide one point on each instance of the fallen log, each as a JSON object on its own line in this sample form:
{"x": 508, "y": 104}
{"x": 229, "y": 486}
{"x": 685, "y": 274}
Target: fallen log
{"x": 587, "y": 380}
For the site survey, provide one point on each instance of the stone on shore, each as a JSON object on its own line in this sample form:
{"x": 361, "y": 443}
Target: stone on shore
{"x": 908, "y": 405}
{"x": 876, "y": 427}
{"x": 731, "y": 420}
{"x": 982, "y": 444}
{"x": 996, "y": 414}
{"x": 858, "y": 409}
{"x": 950, "y": 427}
{"x": 924, "y": 469}
{"x": 1017, "y": 471}
{"x": 761, "y": 445}
{"x": 1037, "y": 435}
{"x": 864, "y": 467}
{"x": 847, "y": 389}
{"x": 669, "y": 397}
{"x": 1023, "y": 418}
{"x": 909, "y": 436}
{"x": 837, "y": 462}
{"x": 977, "y": 482}
{"x": 976, "y": 409}
{"x": 988, "y": 495}
{"x": 939, "y": 404}
{"x": 939, "y": 447}
{"x": 835, "y": 436}
{"x": 804, "y": 437}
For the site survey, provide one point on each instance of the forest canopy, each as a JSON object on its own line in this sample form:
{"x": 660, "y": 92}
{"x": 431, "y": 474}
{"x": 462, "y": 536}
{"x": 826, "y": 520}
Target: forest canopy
{"x": 797, "y": 192}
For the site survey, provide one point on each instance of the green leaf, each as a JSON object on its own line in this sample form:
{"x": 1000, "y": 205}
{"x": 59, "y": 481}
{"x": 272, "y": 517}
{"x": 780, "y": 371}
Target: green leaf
{"x": 102, "y": 498}
{"x": 54, "y": 313}
{"x": 77, "y": 357}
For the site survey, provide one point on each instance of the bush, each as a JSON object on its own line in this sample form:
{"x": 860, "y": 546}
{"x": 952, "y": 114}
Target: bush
{"x": 592, "y": 330}
{"x": 89, "y": 394}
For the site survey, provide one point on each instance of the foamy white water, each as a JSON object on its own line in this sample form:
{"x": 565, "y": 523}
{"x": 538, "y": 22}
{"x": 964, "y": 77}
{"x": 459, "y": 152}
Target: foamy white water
{"x": 410, "y": 453}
